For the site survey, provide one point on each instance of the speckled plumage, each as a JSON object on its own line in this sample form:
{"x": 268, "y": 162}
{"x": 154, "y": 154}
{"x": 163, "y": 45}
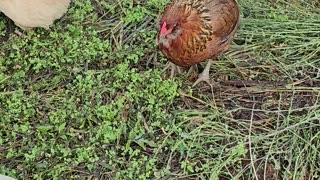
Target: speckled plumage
{"x": 198, "y": 30}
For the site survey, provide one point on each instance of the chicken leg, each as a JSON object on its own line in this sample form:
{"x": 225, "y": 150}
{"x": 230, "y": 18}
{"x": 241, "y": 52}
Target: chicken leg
{"x": 204, "y": 76}
{"x": 173, "y": 68}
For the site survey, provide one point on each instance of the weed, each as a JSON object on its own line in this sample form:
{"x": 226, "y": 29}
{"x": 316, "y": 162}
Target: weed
{"x": 88, "y": 98}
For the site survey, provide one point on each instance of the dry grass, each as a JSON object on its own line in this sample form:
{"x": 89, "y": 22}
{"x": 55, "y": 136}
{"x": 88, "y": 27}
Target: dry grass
{"x": 88, "y": 99}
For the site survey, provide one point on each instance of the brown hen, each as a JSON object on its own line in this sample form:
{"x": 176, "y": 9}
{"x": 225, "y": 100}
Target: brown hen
{"x": 193, "y": 31}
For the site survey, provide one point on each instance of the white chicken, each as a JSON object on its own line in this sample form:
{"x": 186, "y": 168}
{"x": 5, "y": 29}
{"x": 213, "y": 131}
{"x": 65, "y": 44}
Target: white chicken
{"x": 3, "y": 177}
{"x": 28, "y": 14}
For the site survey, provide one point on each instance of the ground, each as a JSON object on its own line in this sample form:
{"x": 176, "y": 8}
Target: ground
{"x": 87, "y": 99}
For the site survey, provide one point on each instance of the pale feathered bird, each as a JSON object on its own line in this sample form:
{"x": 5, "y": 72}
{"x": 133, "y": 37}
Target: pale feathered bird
{"x": 3, "y": 177}
{"x": 28, "y": 14}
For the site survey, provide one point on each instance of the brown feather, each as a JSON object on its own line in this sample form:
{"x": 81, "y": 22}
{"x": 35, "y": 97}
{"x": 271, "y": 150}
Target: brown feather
{"x": 200, "y": 29}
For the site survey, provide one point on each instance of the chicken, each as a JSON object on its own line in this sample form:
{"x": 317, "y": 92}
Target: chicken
{"x": 3, "y": 177}
{"x": 34, "y": 13}
{"x": 192, "y": 31}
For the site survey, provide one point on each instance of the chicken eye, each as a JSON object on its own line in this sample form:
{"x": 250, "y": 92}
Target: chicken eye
{"x": 175, "y": 27}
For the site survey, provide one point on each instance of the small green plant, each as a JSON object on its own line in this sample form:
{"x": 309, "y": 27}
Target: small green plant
{"x": 89, "y": 98}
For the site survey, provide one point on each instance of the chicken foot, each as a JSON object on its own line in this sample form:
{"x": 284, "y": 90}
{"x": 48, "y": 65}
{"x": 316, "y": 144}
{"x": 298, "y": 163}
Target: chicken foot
{"x": 173, "y": 68}
{"x": 204, "y": 76}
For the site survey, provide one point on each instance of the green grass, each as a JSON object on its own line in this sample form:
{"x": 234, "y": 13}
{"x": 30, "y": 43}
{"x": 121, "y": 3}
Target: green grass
{"x": 88, "y": 98}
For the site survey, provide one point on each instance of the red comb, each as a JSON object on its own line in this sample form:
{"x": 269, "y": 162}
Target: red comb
{"x": 163, "y": 28}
